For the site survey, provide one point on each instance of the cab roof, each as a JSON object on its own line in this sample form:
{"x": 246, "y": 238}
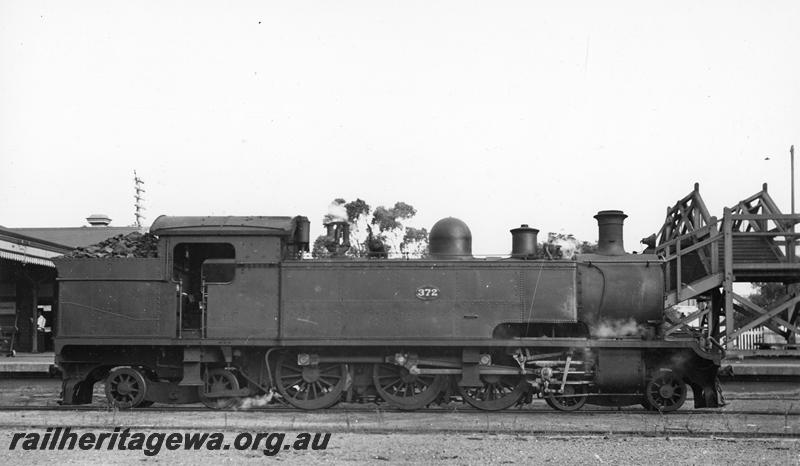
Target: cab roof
{"x": 166, "y": 225}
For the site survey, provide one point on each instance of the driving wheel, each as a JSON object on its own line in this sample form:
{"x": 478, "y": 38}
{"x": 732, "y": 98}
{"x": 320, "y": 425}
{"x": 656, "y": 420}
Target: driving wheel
{"x": 217, "y": 380}
{"x": 126, "y": 388}
{"x": 572, "y": 399}
{"x": 665, "y": 392}
{"x": 497, "y": 392}
{"x": 405, "y": 390}
{"x": 310, "y": 387}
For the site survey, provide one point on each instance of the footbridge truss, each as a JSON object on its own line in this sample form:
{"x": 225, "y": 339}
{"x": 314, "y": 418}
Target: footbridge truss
{"x": 706, "y": 256}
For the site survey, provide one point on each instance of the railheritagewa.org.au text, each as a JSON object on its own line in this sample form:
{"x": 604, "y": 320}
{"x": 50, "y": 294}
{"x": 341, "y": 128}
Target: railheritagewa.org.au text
{"x": 152, "y": 443}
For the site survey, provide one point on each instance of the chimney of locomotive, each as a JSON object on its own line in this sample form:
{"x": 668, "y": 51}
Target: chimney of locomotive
{"x": 609, "y": 223}
{"x": 523, "y": 242}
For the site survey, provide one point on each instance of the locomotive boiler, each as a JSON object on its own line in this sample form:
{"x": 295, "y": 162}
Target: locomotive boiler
{"x": 230, "y": 309}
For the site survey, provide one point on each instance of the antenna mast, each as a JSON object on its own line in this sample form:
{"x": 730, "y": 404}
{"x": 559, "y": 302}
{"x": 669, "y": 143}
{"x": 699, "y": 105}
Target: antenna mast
{"x": 138, "y": 196}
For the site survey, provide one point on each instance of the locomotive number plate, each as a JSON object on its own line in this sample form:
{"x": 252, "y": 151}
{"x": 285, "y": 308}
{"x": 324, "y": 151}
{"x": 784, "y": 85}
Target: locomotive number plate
{"x": 427, "y": 293}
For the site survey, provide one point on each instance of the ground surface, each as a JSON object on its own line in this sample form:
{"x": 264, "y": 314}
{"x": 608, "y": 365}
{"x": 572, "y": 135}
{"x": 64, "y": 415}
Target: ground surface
{"x": 475, "y": 448}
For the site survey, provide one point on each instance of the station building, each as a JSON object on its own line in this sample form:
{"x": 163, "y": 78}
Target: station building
{"x": 28, "y": 279}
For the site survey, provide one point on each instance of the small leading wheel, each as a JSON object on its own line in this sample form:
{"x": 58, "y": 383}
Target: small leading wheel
{"x": 126, "y": 388}
{"x": 218, "y": 380}
{"x": 310, "y": 387}
{"x": 405, "y": 390}
{"x": 497, "y": 392}
{"x": 665, "y": 392}
{"x": 573, "y": 398}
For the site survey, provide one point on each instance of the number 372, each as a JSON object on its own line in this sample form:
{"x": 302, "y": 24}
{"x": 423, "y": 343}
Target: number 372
{"x": 427, "y": 292}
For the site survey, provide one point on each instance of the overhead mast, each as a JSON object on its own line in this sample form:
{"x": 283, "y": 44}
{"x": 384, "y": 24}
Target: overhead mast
{"x": 138, "y": 196}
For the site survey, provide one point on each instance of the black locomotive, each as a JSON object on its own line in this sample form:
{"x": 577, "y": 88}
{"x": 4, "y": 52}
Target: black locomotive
{"x": 229, "y": 309}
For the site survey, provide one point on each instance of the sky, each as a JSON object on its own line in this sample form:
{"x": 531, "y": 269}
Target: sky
{"x": 498, "y": 113}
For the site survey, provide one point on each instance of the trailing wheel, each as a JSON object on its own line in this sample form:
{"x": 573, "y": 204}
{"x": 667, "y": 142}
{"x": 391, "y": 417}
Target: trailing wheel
{"x": 497, "y": 392}
{"x": 404, "y": 390}
{"x": 310, "y": 387}
{"x": 126, "y": 388}
{"x": 217, "y": 380}
{"x": 573, "y": 398}
{"x": 665, "y": 392}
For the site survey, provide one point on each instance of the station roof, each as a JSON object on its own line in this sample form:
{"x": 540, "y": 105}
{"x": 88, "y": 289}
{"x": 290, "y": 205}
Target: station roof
{"x": 74, "y": 237}
{"x": 26, "y": 249}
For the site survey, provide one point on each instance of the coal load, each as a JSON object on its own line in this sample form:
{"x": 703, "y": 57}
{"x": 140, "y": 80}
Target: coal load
{"x": 131, "y": 245}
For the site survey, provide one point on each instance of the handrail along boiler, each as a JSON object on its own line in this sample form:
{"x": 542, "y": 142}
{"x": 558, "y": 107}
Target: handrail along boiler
{"x": 231, "y": 309}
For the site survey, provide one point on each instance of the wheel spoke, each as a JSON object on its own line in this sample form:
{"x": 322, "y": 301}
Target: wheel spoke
{"x": 290, "y": 380}
{"x": 404, "y": 390}
{"x": 572, "y": 399}
{"x": 309, "y": 387}
{"x": 666, "y": 391}
{"x": 397, "y": 380}
{"x": 125, "y": 387}
{"x": 323, "y": 382}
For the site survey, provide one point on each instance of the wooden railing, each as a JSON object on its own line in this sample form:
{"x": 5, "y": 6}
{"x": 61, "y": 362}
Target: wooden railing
{"x": 694, "y": 268}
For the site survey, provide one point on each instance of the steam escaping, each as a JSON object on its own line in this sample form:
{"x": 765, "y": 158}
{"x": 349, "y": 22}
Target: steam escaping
{"x": 336, "y": 212}
{"x": 680, "y": 361}
{"x": 256, "y": 401}
{"x": 569, "y": 247}
{"x": 560, "y": 246}
{"x": 617, "y": 328}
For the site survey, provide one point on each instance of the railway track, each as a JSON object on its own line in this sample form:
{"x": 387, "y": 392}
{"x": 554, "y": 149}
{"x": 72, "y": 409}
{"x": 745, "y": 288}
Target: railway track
{"x": 791, "y": 411}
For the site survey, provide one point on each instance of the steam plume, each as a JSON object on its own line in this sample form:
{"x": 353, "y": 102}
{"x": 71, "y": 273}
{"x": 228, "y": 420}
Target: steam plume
{"x": 255, "y": 401}
{"x": 616, "y": 328}
{"x": 336, "y": 212}
{"x": 560, "y": 246}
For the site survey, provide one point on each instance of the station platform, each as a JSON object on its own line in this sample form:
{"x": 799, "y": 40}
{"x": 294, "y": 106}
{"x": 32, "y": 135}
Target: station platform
{"x": 761, "y": 367}
{"x": 28, "y": 363}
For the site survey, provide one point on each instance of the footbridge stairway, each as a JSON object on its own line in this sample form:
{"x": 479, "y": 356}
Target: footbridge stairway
{"x": 706, "y": 256}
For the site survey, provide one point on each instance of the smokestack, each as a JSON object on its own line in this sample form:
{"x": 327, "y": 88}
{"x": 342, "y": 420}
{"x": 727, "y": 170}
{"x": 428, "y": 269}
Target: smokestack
{"x": 609, "y": 224}
{"x": 523, "y": 242}
{"x": 98, "y": 220}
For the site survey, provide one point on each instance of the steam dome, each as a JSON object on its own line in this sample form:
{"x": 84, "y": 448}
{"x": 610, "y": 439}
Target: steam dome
{"x": 450, "y": 238}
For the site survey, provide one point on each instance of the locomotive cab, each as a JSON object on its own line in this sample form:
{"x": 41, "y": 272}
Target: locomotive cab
{"x": 225, "y": 271}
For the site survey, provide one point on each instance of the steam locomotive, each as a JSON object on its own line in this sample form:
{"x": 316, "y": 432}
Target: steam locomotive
{"x": 231, "y": 309}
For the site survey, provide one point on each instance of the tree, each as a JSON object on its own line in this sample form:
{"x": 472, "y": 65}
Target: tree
{"x": 380, "y": 233}
{"x": 391, "y": 219}
{"x": 356, "y": 209}
{"x": 318, "y": 249}
{"x": 767, "y": 293}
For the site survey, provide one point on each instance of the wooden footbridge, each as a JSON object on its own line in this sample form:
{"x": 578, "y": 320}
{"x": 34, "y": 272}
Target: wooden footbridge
{"x": 706, "y": 256}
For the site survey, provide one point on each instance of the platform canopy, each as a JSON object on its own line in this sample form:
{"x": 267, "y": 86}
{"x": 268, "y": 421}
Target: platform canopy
{"x": 28, "y": 250}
